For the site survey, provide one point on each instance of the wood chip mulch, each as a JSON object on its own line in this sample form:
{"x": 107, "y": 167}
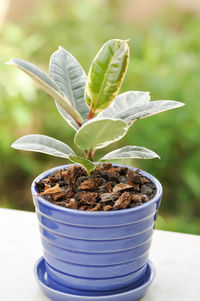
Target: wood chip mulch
{"x": 108, "y": 188}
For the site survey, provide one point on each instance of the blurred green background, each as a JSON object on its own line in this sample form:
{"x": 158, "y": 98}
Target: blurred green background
{"x": 165, "y": 60}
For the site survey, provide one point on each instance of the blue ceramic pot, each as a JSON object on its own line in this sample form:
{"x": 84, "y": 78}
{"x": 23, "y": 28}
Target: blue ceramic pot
{"x": 92, "y": 284}
{"x": 95, "y": 250}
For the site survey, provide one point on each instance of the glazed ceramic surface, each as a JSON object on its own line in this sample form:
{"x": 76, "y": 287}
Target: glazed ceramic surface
{"x": 92, "y": 284}
{"x": 96, "y": 245}
{"x": 130, "y": 293}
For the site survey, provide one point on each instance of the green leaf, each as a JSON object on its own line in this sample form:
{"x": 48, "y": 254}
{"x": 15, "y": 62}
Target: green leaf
{"x": 70, "y": 78}
{"x": 124, "y": 102}
{"x": 47, "y": 84}
{"x": 149, "y": 109}
{"x": 87, "y": 164}
{"x": 126, "y": 153}
{"x": 96, "y": 134}
{"x": 106, "y": 74}
{"x": 43, "y": 144}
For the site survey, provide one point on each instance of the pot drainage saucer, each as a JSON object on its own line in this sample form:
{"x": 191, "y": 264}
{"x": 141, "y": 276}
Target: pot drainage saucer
{"x": 131, "y": 293}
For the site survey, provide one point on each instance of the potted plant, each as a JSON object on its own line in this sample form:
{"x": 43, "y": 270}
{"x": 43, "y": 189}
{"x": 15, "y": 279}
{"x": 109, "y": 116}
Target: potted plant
{"x": 96, "y": 219}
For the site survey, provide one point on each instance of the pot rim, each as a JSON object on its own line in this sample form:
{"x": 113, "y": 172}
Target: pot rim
{"x": 78, "y": 212}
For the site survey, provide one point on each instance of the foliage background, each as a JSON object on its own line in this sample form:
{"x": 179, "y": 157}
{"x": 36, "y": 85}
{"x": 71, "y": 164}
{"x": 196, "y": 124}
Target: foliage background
{"x": 164, "y": 60}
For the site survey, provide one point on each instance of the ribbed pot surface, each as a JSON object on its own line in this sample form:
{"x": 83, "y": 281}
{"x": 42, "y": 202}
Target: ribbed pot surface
{"x": 103, "y": 250}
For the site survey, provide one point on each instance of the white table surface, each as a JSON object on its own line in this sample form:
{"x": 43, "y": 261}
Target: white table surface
{"x": 176, "y": 257}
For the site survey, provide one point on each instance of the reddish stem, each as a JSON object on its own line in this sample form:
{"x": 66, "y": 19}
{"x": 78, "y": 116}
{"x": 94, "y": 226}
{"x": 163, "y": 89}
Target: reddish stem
{"x": 90, "y": 115}
{"x": 79, "y": 124}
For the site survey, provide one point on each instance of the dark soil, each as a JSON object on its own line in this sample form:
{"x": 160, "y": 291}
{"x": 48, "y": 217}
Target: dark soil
{"x": 108, "y": 188}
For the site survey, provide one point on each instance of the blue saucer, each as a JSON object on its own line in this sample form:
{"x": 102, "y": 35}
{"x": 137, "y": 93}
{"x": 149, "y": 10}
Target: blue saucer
{"x": 131, "y": 293}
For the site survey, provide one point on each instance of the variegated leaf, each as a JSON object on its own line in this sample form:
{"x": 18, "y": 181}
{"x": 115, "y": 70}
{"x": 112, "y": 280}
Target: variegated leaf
{"x": 106, "y": 74}
{"x": 47, "y": 84}
{"x": 43, "y": 144}
{"x": 149, "y": 109}
{"x": 126, "y": 153}
{"x": 123, "y": 102}
{"x": 96, "y": 134}
{"x": 67, "y": 117}
{"x": 70, "y": 78}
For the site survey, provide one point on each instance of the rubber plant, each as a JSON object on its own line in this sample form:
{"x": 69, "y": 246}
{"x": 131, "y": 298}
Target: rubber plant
{"x": 92, "y": 105}
{"x": 103, "y": 255}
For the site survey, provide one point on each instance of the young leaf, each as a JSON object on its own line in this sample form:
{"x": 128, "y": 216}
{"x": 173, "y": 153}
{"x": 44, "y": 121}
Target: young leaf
{"x": 98, "y": 133}
{"x": 126, "y": 153}
{"x": 87, "y": 164}
{"x": 47, "y": 84}
{"x": 149, "y": 109}
{"x": 123, "y": 102}
{"x": 70, "y": 78}
{"x": 43, "y": 144}
{"x": 106, "y": 74}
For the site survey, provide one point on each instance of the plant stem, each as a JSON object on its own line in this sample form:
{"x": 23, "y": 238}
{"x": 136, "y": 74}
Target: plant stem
{"x": 93, "y": 154}
{"x": 79, "y": 124}
{"x": 89, "y": 155}
{"x": 90, "y": 115}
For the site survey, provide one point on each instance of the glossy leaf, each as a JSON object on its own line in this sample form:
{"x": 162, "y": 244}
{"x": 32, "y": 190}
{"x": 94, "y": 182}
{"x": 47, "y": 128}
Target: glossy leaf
{"x": 47, "y": 84}
{"x": 125, "y": 101}
{"x": 96, "y": 134}
{"x": 70, "y": 78}
{"x": 43, "y": 144}
{"x": 149, "y": 109}
{"x": 87, "y": 164}
{"x": 106, "y": 74}
{"x": 126, "y": 153}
